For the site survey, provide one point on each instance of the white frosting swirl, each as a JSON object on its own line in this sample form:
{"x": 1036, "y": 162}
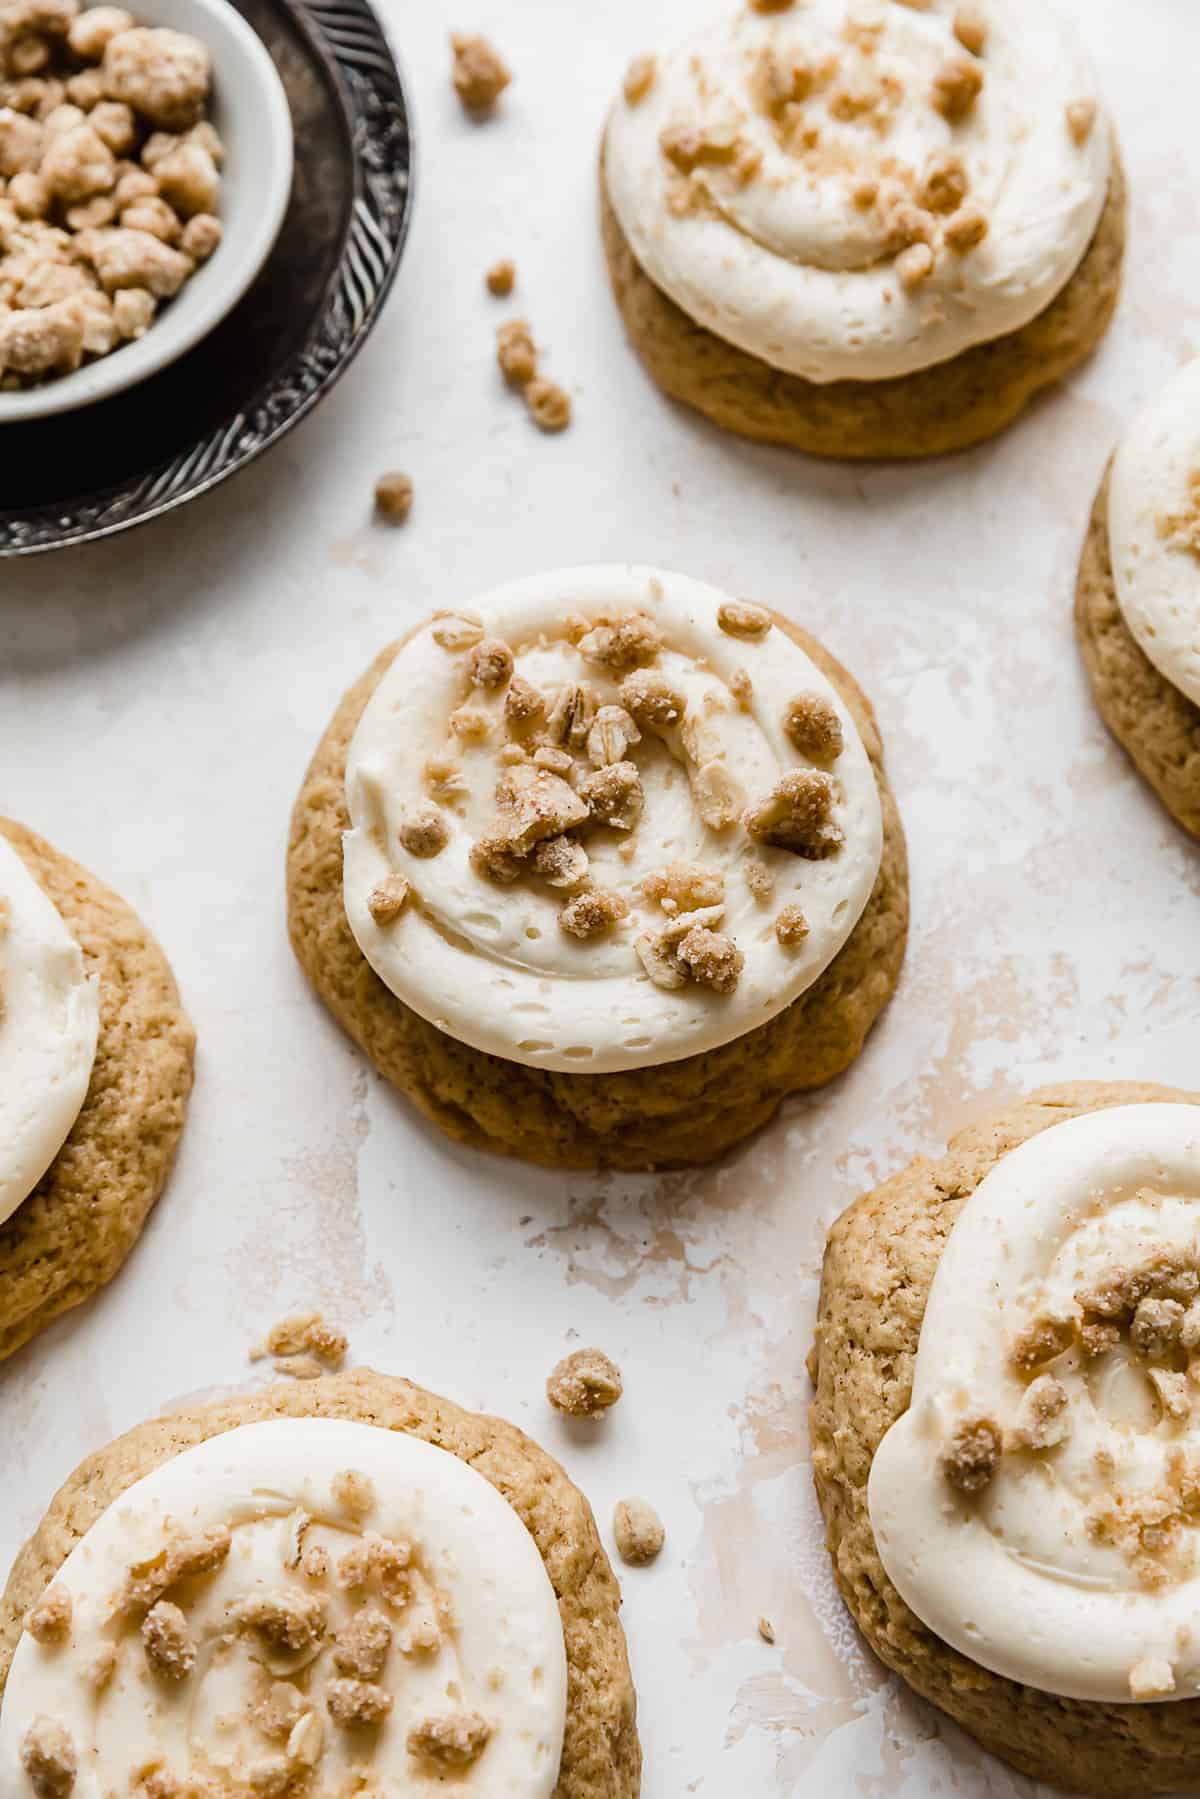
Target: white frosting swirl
{"x": 1154, "y": 530}
{"x": 786, "y": 263}
{"x": 49, "y": 1024}
{"x": 1074, "y": 1569}
{"x": 477, "y": 1633}
{"x": 490, "y": 964}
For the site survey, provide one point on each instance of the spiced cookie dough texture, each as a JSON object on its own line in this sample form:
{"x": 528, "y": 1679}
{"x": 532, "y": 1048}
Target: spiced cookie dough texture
{"x": 864, "y": 227}
{"x": 360, "y": 1590}
{"x": 601, "y": 822}
{"x": 95, "y": 1070}
{"x": 1138, "y": 596}
{"x": 1006, "y": 1448}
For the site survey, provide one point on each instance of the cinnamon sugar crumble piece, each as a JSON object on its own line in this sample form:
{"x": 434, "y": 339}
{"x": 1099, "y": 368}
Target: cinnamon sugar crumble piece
{"x": 354, "y": 1493}
{"x": 971, "y": 1457}
{"x": 814, "y": 728}
{"x": 490, "y": 663}
{"x": 791, "y": 926}
{"x": 1155, "y": 1327}
{"x": 479, "y": 73}
{"x": 684, "y": 887}
{"x": 1081, "y": 117}
{"x": 639, "y": 79}
{"x": 956, "y": 87}
{"x": 452, "y": 1741}
{"x": 584, "y": 1384}
{"x": 548, "y": 404}
{"x": 712, "y": 959}
{"x": 49, "y": 1621}
{"x": 455, "y": 631}
{"x": 610, "y": 736}
{"x": 299, "y": 1367}
{"x": 470, "y": 724}
{"x": 638, "y": 1531}
{"x": 314, "y": 1562}
{"x": 686, "y": 147}
{"x": 357, "y": 1704}
{"x": 361, "y": 1647}
{"x": 614, "y": 796}
{"x": 102, "y": 1667}
{"x": 49, "y": 1759}
{"x": 501, "y": 278}
{"x": 516, "y": 352}
{"x": 170, "y": 1650}
{"x": 494, "y": 860}
{"x": 739, "y": 619}
{"x": 394, "y": 496}
{"x": 561, "y": 862}
{"x": 524, "y": 705}
{"x": 1041, "y": 1342}
{"x": 742, "y": 688}
{"x": 379, "y": 1559}
{"x": 1173, "y": 1392}
{"x": 591, "y": 913}
{"x": 1042, "y": 1420}
{"x": 631, "y": 642}
{"x": 386, "y": 902}
{"x": 289, "y": 1622}
{"x": 797, "y": 816}
{"x": 423, "y": 831}
{"x": 914, "y": 266}
{"x": 966, "y": 230}
{"x": 759, "y": 880}
{"x": 304, "y": 1333}
{"x": 944, "y": 183}
{"x": 1097, "y": 1339}
{"x": 182, "y": 1558}
{"x": 1151, "y": 1678}
{"x": 652, "y": 702}
{"x": 970, "y": 28}
{"x": 278, "y": 1714}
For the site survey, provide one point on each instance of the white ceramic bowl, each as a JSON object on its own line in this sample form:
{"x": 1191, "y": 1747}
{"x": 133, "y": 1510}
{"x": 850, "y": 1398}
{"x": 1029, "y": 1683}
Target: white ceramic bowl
{"x": 250, "y": 110}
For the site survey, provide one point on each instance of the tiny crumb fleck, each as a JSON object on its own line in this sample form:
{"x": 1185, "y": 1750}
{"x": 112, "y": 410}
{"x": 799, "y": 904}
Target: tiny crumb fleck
{"x": 393, "y": 497}
{"x": 766, "y": 1630}
{"x": 638, "y": 1531}
{"x": 502, "y": 278}
{"x": 549, "y": 405}
{"x": 480, "y": 74}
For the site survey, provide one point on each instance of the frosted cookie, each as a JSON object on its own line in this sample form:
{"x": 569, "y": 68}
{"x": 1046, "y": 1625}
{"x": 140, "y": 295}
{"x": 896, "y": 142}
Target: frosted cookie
{"x": 864, "y": 230}
{"x": 1137, "y": 600}
{"x": 346, "y": 1587}
{"x": 601, "y": 867}
{"x": 1004, "y": 1441}
{"x": 95, "y": 1072}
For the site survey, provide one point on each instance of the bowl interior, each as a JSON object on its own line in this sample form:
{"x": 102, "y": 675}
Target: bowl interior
{"x": 250, "y": 110}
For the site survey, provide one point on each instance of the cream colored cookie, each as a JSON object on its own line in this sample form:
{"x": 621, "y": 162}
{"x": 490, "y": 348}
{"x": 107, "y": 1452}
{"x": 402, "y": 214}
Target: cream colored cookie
{"x": 1157, "y": 724}
{"x": 679, "y": 1111}
{"x": 601, "y": 1758}
{"x": 74, "y": 1230}
{"x": 880, "y": 1262}
{"x": 864, "y": 232}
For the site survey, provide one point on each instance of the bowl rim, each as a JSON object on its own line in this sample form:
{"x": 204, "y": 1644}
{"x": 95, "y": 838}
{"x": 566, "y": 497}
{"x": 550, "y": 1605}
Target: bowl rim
{"x": 133, "y": 363}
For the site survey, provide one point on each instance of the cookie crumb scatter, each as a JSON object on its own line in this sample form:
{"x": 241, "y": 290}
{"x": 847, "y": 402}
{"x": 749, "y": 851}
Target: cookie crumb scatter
{"x": 766, "y": 1630}
{"x": 944, "y": 184}
{"x": 549, "y": 404}
{"x": 1041, "y": 1342}
{"x": 454, "y": 1740}
{"x": 516, "y": 352}
{"x": 814, "y": 727}
{"x": 739, "y": 619}
{"x": 639, "y": 79}
{"x": 479, "y": 73}
{"x": 614, "y": 796}
{"x": 584, "y": 1384}
{"x": 357, "y": 1704}
{"x": 49, "y": 1759}
{"x": 759, "y": 880}
{"x": 361, "y": 1646}
{"x": 305, "y": 1333}
{"x": 394, "y": 496}
{"x": 631, "y": 642}
{"x": 966, "y": 230}
{"x": 590, "y": 914}
{"x": 797, "y": 816}
{"x": 423, "y": 831}
{"x": 972, "y": 1456}
{"x": 561, "y": 862}
{"x": 501, "y": 278}
{"x": 1155, "y": 1327}
{"x": 638, "y": 1531}
{"x": 181, "y": 1558}
{"x": 1081, "y": 117}
{"x": 170, "y": 1650}
{"x": 652, "y": 702}
{"x": 386, "y": 902}
{"x": 49, "y": 1621}
{"x": 713, "y": 959}
{"x": 791, "y": 926}
{"x": 956, "y": 87}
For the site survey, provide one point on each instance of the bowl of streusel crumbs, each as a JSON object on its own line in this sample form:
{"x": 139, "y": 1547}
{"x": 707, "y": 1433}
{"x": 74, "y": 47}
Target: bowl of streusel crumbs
{"x": 145, "y": 170}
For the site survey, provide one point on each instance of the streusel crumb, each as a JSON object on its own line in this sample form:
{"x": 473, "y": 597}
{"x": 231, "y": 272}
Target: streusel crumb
{"x": 812, "y": 723}
{"x": 479, "y": 73}
{"x": 524, "y": 705}
{"x": 361, "y": 1647}
{"x": 584, "y": 1384}
{"x": 742, "y": 688}
{"x": 357, "y": 1704}
{"x": 170, "y": 1650}
{"x": 614, "y": 796}
{"x": 49, "y": 1759}
{"x": 591, "y": 913}
{"x": 1042, "y": 1418}
{"x": 971, "y": 1457}
{"x": 1040, "y": 1342}
{"x": 1081, "y": 117}
{"x": 454, "y": 1740}
{"x": 386, "y": 902}
{"x": 797, "y": 816}
{"x": 516, "y": 352}
{"x": 490, "y": 663}
{"x": 966, "y": 230}
{"x": 630, "y": 643}
{"x": 548, "y": 404}
{"x": 287, "y": 1621}
{"x": 638, "y": 1531}
{"x": 181, "y": 1558}
{"x": 684, "y": 886}
{"x": 278, "y": 1714}
{"x": 423, "y": 831}
{"x": 307, "y": 1333}
{"x": 712, "y": 959}
{"x": 970, "y": 28}
{"x": 394, "y": 496}
{"x": 740, "y": 619}
{"x": 354, "y": 1493}
{"x": 639, "y": 79}
{"x": 650, "y": 699}
{"x": 1155, "y": 1328}
{"x": 561, "y": 862}
{"x": 501, "y": 278}
{"x": 956, "y": 87}
{"x": 49, "y": 1621}
{"x": 791, "y": 926}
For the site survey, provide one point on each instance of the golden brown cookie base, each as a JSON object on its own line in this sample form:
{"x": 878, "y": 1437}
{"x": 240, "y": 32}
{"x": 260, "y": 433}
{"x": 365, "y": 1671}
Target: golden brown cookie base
{"x": 1155, "y": 723}
{"x": 601, "y": 1755}
{"x": 946, "y": 407}
{"x": 680, "y": 1113}
{"x": 879, "y": 1264}
{"x": 86, "y": 1213}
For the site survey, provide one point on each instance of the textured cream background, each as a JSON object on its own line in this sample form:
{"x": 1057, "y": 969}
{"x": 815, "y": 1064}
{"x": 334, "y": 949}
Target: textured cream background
{"x": 159, "y": 697}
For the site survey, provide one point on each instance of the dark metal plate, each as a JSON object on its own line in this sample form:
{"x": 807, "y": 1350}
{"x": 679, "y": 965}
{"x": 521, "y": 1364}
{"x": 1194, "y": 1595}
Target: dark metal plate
{"x": 209, "y": 414}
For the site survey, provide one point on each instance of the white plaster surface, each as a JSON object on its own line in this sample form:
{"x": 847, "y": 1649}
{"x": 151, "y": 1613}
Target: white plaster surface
{"x": 159, "y": 697}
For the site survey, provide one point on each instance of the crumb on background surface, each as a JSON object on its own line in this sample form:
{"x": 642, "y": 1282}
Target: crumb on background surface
{"x": 394, "y": 496}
